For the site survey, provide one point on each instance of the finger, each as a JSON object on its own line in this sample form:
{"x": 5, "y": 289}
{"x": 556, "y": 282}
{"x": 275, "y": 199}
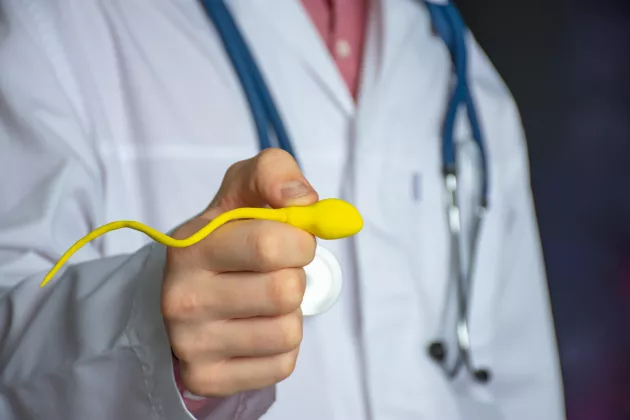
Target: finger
{"x": 261, "y": 336}
{"x": 205, "y": 297}
{"x": 272, "y": 178}
{"x": 247, "y": 295}
{"x": 237, "y": 375}
{"x": 253, "y": 337}
{"x": 256, "y": 245}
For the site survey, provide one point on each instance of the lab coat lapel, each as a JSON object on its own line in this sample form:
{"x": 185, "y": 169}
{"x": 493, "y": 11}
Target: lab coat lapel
{"x": 389, "y": 33}
{"x": 288, "y": 20}
{"x": 393, "y": 20}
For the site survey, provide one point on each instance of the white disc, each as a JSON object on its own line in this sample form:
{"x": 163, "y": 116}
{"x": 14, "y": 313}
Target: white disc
{"x": 323, "y": 283}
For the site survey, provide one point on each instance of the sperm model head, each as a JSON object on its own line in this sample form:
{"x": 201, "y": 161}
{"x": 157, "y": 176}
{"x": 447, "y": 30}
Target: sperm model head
{"x": 327, "y": 219}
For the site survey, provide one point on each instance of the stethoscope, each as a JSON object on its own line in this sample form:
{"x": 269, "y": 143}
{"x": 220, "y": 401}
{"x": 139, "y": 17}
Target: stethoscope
{"x": 448, "y": 24}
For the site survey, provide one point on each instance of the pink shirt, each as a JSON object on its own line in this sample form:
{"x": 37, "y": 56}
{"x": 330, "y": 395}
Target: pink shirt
{"x": 341, "y": 24}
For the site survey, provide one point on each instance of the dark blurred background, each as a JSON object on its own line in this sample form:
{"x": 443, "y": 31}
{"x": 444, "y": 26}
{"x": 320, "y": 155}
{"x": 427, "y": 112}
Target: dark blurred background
{"x": 568, "y": 66}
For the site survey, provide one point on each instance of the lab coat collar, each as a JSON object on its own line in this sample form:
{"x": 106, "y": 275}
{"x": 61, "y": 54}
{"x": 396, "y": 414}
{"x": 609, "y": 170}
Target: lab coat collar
{"x": 391, "y": 23}
{"x": 289, "y": 20}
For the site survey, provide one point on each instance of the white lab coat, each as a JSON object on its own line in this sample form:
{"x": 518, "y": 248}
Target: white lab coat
{"x": 130, "y": 110}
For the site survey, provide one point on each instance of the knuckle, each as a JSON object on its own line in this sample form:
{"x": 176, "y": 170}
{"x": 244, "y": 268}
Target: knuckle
{"x": 286, "y": 366}
{"x": 223, "y": 199}
{"x": 182, "y": 350}
{"x": 178, "y": 304}
{"x": 169, "y": 304}
{"x": 208, "y": 382}
{"x": 233, "y": 170}
{"x": 191, "y": 344}
{"x": 308, "y": 246}
{"x": 286, "y": 289}
{"x": 265, "y": 163}
{"x": 269, "y": 157}
{"x": 267, "y": 247}
{"x": 291, "y": 332}
{"x": 177, "y": 260}
{"x": 216, "y": 387}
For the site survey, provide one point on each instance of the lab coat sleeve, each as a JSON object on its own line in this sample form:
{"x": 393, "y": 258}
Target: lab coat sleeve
{"x": 91, "y": 344}
{"x": 527, "y": 379}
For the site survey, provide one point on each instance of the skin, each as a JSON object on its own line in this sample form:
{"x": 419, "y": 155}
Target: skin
{"x": 231, "y": 303}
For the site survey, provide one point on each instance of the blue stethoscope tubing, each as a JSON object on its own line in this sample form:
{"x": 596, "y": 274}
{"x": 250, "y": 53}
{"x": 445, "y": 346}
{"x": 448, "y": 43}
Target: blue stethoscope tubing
{"x": 264, "y": 111}
{"x": 449, "y": 25}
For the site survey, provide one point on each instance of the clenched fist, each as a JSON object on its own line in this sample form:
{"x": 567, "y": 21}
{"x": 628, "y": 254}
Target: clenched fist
{"x": 231, "y": 303}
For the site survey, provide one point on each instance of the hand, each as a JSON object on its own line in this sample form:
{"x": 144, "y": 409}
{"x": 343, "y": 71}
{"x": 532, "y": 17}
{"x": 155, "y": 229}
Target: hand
{"x": 231, "y": 303}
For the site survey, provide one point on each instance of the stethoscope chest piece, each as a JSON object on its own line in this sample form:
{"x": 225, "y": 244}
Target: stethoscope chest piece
{"x": 323, "y": 283}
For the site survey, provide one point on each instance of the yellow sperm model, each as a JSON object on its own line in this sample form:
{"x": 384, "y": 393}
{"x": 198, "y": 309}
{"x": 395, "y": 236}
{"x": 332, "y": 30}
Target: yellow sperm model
{"x": 327, "y": 219}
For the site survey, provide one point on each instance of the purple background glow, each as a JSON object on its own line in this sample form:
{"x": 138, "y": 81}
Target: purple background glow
{"x": 568, "y": 66}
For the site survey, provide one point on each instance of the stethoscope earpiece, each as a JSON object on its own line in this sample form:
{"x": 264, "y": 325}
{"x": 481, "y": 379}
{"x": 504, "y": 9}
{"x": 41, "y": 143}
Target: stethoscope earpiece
{"x": 483, "y": 376}
{"x": 437, "y": 352}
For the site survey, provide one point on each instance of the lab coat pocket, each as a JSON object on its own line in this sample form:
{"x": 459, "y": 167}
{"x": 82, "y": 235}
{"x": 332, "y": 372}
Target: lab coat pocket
{"x": 399, "y": 192}
{"x": 408, "y": 188}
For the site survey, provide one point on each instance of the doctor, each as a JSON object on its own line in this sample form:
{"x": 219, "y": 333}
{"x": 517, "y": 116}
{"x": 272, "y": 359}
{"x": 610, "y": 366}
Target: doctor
{"x": 138, "y": 110}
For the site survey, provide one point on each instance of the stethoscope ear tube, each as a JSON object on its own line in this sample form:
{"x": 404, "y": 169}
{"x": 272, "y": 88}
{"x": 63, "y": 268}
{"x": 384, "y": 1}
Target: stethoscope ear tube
{"x": 264, "y": 111}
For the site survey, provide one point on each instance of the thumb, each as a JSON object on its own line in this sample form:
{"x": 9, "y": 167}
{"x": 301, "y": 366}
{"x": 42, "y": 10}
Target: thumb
{"x": 272, "y": 178}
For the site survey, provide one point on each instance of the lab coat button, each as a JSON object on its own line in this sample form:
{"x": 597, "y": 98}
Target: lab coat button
{"x": 343, "y": 48}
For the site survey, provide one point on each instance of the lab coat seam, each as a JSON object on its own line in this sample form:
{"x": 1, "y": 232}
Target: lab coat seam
{"x": 55, "y": 53}
{"x": 484, "y": 75}
{"x": 155, "y": 407}
{"x": 240, "y": 407}
{"x": 388, "y": 71}
{"x": 42, "y": 35}
{"x": 146, "y": 368}
{"x": 124, "y": 83}
{"x": 72, "y": 156}
{"x": 520, "y": 239}
{"x": 503, "y": 179}
{"x": 61, "y": 370}
{"x": 517, "y": 194}
{"x": 199, "y": 28}
{"x": 546, "y": 370}
{"x": 247, "y": 409}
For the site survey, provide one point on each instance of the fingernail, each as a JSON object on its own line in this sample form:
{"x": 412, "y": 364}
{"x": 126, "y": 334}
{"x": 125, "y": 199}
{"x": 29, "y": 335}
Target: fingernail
{"x": 294, "y": 189}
